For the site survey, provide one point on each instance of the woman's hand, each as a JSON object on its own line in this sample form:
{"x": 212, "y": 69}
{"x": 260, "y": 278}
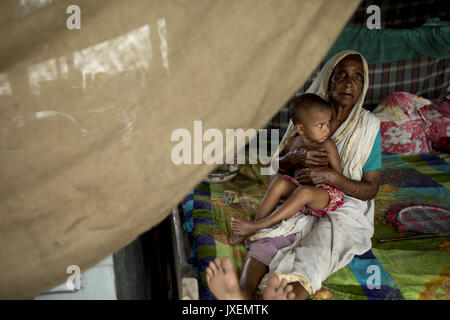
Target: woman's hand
{"x": 315, "y": 175}
{"x": 308, "y": 156}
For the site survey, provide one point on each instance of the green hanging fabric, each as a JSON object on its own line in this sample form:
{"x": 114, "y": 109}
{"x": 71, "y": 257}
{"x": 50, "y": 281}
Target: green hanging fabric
{"x": 386, "y": 45}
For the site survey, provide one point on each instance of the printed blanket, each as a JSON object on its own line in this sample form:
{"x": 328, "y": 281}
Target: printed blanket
{"x": 410, "y": 269}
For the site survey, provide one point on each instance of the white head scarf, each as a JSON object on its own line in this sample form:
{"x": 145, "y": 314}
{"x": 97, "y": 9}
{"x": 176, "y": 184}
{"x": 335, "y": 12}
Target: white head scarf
{"x": 355, "y": 136}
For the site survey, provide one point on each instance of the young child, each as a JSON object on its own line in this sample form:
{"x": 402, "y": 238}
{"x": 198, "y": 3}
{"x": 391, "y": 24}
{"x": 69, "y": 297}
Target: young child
{"x": 311, "y": 116}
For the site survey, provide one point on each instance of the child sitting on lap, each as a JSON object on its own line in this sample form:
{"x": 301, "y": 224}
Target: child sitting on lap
{"x": 311, "y": 116}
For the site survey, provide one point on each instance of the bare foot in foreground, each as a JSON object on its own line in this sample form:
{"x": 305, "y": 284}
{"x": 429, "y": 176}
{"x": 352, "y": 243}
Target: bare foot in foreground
{"x": 235, "y": 239}
{"x": 223, "y": 281}
{"x": 278, "y": 291}
{"x": 243, "y": 228}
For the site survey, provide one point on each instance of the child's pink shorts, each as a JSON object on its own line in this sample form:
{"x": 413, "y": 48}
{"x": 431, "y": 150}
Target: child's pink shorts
{"x": 336, "y": 198}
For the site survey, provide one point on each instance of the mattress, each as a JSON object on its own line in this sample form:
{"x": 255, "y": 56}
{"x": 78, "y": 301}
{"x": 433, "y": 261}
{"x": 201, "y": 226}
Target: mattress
{"x": 408, "y": 270}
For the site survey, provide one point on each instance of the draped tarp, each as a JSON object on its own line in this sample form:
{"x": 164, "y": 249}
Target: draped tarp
{"x": 386, "y": 45}
{"x": 87, "y": 115}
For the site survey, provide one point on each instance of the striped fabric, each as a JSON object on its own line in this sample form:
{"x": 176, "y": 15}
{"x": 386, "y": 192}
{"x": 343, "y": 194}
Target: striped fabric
{"x": 422, "y": 76}
{"x": 198, "y": 224}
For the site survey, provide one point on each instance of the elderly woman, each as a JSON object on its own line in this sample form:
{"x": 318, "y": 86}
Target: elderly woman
{"x": 292, "y": 259}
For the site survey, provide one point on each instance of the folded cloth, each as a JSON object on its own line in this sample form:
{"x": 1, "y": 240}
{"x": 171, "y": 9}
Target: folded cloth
{"x": 265, "y": 249}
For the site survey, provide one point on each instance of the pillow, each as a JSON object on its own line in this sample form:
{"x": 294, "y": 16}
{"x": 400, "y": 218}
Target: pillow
{"x": 404, "y": 128}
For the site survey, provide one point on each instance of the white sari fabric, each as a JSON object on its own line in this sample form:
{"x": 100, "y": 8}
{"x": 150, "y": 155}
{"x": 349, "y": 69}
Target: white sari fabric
{"x": 326, "y": 244}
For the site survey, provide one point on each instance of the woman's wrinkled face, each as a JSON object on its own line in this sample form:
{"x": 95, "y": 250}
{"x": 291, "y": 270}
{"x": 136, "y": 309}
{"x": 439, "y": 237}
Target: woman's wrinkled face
{"x": 347, "y": 81}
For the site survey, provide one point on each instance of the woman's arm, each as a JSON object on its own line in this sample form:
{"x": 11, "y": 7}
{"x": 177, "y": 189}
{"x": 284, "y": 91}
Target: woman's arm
{"x": 366, "y": 189}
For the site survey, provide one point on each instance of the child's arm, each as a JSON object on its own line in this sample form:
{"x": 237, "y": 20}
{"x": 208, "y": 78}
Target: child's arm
{"x": 287, "y": 147}
{"x": 333, "y": 155}
{"x": 289, "y": 144}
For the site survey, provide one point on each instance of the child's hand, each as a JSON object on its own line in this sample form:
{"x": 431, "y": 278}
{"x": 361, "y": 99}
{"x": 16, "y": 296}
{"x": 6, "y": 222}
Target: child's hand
{"x": 315, "y": 175}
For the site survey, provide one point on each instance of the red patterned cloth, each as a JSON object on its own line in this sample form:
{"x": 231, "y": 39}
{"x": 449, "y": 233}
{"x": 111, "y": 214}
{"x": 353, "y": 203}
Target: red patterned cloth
{"x": 336, "y": 199}
{"x": 438, "y": 118}
{"x": 411, "y": 124}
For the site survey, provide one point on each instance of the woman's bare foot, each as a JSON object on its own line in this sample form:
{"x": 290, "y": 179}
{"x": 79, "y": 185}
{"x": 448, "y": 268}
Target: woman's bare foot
{"x": 243, "y": 228}
{"x": 278, "y": 291}
{"x": 223, "y": 281}
{"x": 235, "y": 239}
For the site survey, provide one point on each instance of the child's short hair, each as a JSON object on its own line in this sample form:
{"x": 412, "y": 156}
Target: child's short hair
{"x": 304, "y": 104}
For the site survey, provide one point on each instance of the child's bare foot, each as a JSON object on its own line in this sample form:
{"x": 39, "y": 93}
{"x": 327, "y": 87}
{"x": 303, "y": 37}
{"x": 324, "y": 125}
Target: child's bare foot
{"x": 223, "y": 281}
{"x": 235, "y": 239}
{"x": 278, "y": 291}
{"x": 243, "y": 228}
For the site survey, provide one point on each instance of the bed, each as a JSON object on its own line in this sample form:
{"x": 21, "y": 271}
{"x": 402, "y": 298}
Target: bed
{"x": 410, "y": 269}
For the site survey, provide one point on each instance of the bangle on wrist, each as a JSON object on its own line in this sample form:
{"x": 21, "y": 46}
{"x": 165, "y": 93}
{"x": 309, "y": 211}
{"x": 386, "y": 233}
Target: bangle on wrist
{"x": 356, "y": 190}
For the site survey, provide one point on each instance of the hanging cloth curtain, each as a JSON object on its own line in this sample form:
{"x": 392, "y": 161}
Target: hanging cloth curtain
{"x": 387, "y": 45}
{"x": 88, "y": 115}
